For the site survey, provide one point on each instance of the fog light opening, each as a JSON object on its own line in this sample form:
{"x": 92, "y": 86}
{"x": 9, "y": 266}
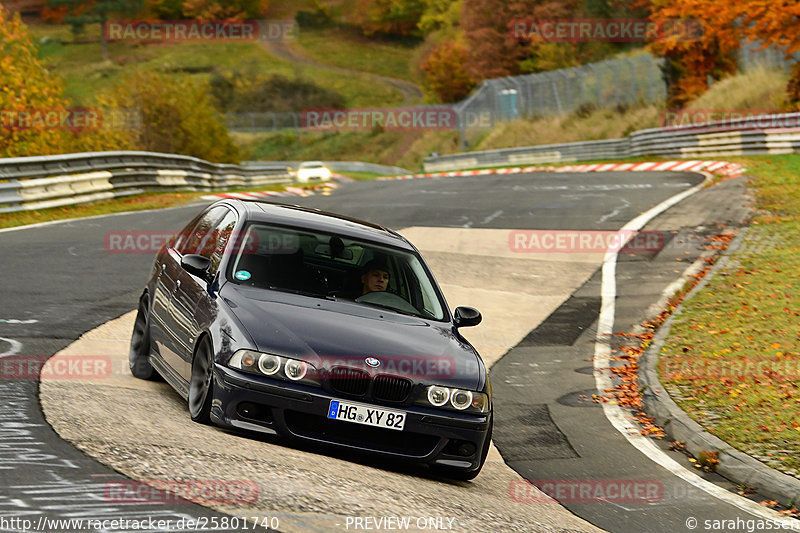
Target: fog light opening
{"x": 460, "y": 448}
{"x": 466, "y": 449}
{"x": 254, "y": 411}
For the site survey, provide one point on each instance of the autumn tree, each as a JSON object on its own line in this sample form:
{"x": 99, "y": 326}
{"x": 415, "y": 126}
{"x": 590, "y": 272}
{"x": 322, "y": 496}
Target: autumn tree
{"x": 778, "y": 24}
{"x": 165, "y": 9}
{"x": 439, "y": 15}
{"x": 388, "y": 17}
{"x": 174, "y": 116}
{"x": 700, "y": 40}
{"x": 27, "y": 87}
{"x": 80, "y": 13}
{"x": 445, "y": 74}
{"x": 494, "y": 50}
{"x": 224, "y": 9}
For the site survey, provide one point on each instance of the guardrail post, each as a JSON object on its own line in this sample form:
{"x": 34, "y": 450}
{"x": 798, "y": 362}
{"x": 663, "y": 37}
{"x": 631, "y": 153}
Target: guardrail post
{"x": 615, "y": 72}
{"x": 554, "y": 86}
{"x": 634, "y": 85}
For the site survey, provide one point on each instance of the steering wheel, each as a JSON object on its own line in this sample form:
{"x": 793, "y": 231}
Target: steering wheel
{"x": 387, "y": 299}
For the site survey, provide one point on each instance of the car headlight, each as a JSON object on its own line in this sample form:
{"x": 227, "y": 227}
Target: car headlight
{"x": 274, "y": 366}
{"x": 458, "y": 399}
{"x": 295, "y": 370}
{"x": 438, "y": 396}
{"x": 269, "y": 364}
{"x": 461, "y": 399}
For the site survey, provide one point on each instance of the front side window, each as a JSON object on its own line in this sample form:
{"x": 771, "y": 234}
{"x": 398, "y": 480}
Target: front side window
{"x": 200, "y": 239}
{"x": 331, "y": 266}
{"x": 222, "y": 234}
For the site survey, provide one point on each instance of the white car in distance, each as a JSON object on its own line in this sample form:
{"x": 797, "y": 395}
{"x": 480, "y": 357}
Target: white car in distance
{"x": 313, "y": 171}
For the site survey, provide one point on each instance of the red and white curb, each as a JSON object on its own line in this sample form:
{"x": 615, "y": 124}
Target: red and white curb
{"x": 323, "y": 188}
{"x": 722, "y": 168}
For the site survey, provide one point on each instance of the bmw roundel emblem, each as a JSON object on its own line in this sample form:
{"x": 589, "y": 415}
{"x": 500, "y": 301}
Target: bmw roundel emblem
{"x": 371, "y": 361}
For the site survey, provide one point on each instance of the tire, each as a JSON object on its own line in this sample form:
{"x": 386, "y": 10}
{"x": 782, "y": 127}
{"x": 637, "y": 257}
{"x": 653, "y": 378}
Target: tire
{"x": 201, "y": 384}
{"x": 468, "y": 475}
{"x": 139, "y": 354}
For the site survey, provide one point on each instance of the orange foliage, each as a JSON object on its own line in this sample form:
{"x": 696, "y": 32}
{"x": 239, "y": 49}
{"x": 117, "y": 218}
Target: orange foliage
{"x": 771, "y": 22}
{"x": 775, "y": 23}
{"x": 224, "y": 9}
{"x": 444, "y": 71}
{"x": 695, "y": 55}
{"x": 725, "y": 24}
{"x": 26, "y": 87}
{"x": 387, "y": 17}
{"x": 54, "y": 15}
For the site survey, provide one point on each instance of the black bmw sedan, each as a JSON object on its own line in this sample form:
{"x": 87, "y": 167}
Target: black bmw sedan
{"x": 291, "y": 321}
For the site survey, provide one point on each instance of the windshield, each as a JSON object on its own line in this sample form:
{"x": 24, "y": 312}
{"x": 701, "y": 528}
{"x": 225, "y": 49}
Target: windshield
{"x": 329, "y": 266}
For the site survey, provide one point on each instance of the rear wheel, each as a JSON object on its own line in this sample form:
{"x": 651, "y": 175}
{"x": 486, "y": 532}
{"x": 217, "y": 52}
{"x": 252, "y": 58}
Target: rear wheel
{"x": 201, "y": 385}
{"x": 139, "y": 355}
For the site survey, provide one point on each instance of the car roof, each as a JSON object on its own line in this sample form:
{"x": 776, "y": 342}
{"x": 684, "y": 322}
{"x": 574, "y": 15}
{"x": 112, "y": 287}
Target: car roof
{"x": 315, "y": 219}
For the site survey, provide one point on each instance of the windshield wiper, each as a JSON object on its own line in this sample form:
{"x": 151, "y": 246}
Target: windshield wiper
{"x": 390, "y": 308}
{"x": 300, "y": 292}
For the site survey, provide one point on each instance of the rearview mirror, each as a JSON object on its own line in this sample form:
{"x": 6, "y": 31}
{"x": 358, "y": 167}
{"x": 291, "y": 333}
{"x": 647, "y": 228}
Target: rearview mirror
{"x": 466, "y": 316}
{"x": 197, "y": 265}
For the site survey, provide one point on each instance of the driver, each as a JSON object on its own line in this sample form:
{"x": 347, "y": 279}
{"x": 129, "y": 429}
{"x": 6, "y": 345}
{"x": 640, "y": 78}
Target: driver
{"x": 375, "y": 277}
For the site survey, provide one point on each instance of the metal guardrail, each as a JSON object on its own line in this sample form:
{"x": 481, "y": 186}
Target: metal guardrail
{"x": 51, "y": 181}
{"x": 764, "y": 134}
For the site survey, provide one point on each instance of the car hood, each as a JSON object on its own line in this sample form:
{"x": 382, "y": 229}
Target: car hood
{"x": 330, "y": 333}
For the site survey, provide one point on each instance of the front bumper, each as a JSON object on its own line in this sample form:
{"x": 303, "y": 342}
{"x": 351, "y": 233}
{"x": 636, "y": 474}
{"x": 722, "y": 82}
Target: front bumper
{"x": 431, "y": 436}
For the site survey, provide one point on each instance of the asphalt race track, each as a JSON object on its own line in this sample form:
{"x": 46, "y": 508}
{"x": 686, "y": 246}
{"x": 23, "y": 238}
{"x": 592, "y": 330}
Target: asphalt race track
{"x": 61, "y": 280}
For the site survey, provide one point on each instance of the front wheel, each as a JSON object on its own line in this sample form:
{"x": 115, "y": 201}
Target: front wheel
{"x": 139, "y": 354}
{"x": 201, "y": 385}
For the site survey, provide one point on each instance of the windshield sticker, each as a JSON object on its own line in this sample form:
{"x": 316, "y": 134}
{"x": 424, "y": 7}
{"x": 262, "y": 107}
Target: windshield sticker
{"x": 242, "y": 275}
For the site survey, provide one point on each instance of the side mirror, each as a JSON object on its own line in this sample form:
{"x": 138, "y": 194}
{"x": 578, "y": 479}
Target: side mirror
{"x": 196, "y": 265}
{"x": 466, "y": 316}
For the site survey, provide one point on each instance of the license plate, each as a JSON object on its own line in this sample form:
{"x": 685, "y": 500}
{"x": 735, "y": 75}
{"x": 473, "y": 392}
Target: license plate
{"x": 367, "y": 415}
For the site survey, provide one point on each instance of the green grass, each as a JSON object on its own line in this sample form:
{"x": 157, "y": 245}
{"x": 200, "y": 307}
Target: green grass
{"x": 348, "y": 49}
{"x": 732, "y": 359}
{"x": 755, "y": 91}
{"x": 405, "y": 149}
{"x": 85, "y": 73}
